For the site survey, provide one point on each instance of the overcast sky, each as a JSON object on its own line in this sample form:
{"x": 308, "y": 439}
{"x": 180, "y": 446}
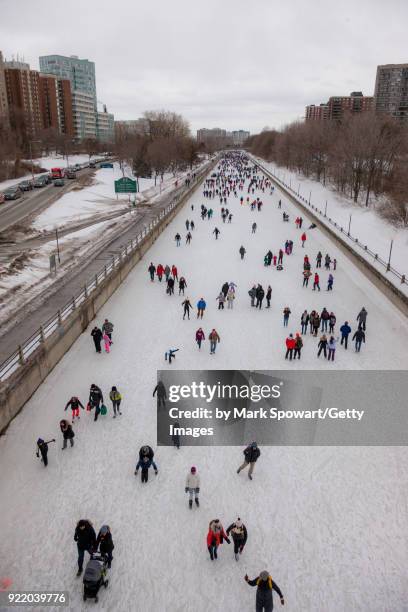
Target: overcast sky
{"x": 235, "y": 64}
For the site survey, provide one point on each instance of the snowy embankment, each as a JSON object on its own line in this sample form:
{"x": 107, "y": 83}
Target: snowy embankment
{"x": 330, "y": 524}
{"x": 366, "y": 224}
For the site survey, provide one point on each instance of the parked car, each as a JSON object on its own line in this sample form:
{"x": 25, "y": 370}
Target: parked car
{"x": 78, "y": 166}
{"x": 70, "y": 174}
{"x": 59, "y": 182}
{"x": 12, "y": 193}
{"x": 92, "y": 164}
{"x": 40, "y": 181}
{"x": 2, "y": 198}
{"x": 25, "y": 185}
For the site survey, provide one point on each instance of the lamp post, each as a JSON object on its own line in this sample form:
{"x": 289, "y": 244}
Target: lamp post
{"x": 325, "y": 209}
{"x": 389, "y": 256}
{"x": 348, "y": 233}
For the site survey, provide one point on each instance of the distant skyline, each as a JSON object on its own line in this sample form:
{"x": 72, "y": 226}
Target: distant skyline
{"x": 228, "y": 64}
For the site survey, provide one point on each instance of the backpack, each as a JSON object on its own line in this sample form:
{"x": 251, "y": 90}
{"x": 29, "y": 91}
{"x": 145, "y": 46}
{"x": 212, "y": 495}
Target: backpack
{"x": 104, "y": 410}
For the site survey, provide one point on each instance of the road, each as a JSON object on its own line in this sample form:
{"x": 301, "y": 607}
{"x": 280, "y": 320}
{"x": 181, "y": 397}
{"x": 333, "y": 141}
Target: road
{"x": 14, "y": 212}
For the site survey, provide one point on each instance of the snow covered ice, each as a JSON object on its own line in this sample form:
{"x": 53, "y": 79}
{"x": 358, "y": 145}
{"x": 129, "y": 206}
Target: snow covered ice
{"x": 329, "y": 523}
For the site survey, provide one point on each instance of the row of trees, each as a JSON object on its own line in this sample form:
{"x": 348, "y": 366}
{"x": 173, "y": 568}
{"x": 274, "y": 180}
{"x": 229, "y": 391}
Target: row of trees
{"x": 364, "y": 157}
{"x": 162, "y": 144}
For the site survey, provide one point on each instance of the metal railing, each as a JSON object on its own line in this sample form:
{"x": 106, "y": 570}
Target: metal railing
{"x": 355, "y": 241}
{"x": 19, "y": 357}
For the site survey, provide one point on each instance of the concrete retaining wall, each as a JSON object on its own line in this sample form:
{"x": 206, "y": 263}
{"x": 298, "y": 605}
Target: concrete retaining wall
{"x": 397, "y": 297}
{"x": 23, "y": 383}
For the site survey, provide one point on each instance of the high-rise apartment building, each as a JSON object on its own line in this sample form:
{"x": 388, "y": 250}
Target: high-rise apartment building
{"x": 4, "y": 111}
{"x": 56, "y": 104}
{"x": 105, "y": 126}
{"x": 22, "y": 85}
{"x": 339, "y": 107}
{"x": 391, "y": 90}
{"x": 81, "y": 74}
{"x": 316, "y": 112}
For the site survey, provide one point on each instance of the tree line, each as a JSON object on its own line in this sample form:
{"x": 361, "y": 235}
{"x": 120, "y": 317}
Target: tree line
{"x": 364, "y": 156}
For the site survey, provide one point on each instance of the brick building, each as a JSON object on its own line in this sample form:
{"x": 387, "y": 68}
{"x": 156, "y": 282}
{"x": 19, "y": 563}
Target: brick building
{"x": 23, "y": 98}
{"x": 56, "y": 104}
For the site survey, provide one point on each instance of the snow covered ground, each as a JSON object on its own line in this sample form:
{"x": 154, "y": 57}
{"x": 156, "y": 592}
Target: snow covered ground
{"x": 330, "y": 524}
{"x": 366, "y": 224}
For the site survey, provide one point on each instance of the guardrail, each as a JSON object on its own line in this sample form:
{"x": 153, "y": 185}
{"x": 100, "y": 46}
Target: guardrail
{"x": 355, "y": 241}
{"x": 19, "y": 357}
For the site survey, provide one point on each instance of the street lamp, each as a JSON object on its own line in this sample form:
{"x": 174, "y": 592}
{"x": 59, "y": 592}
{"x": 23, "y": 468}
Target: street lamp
{"x": 389, "y": 256}
{"x": 348, "y": 233}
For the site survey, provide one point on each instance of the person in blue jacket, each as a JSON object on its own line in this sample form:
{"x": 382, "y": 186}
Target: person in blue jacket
{"x": 146, "y": 455}
{"x": 345, "y": 331}
{"x": 201, "y": 306}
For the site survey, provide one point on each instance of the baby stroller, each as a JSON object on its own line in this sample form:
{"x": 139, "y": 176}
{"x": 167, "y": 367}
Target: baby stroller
{"x": 94, "y": 576}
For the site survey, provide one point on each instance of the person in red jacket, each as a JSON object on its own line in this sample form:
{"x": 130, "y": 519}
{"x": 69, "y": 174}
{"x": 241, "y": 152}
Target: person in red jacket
{"x": 290, "y": 346}
{"x": 303, "y": 239}
{"x": 160, "y": 272}
{"x": 316, "y": 282}
{"x": 174, "y": 272}
{"x": 215, "y": 536}
{"x": 199, "y": 337}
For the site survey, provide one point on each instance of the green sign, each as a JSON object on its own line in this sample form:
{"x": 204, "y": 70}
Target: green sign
{"x": 125, "y": 185}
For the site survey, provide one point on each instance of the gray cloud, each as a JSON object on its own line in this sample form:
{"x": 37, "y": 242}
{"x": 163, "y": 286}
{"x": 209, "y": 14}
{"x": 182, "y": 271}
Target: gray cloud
{"x": 231, "y": 63}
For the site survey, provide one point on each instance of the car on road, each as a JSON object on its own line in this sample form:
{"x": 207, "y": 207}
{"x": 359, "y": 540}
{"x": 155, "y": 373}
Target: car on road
{"x": 12, "y": 193}
{"x": 2, "y": 198}
{"x": 59, "y": 182}
{"x": 70, "y": 173}
{"x": 25, "y": 185}
{"x": 40, "y": 181}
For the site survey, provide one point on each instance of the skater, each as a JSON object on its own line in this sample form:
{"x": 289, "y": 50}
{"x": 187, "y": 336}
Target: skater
{"x": 170, "y": 355}
{"x": 85, "y": 537}
{"x": 95, "y": 400}
{"x": 268, "y": 296}
{"x": 107, "y": 328}
{"x": 239, "y": 536}
{"x": 160, "y": 272}
{"x": 96, "y": 334}
{"x": 74, "y": 404}
{"x": 152, "y": 270}
{"x": 290, "y": 346}
{"x": 280, "y": 204}
{"x": 177, "y": 238}
{"x": 306, "y": 275}
{"x": 216, "y": 231}
{"x": 213, "y": 338}
{"x": 42, "y": 449}
{"x": 187, "y": 225}
{"x": 174, "y": 272}
{"x": 199, "y": 337}
{"x": 334, "y": 264}
{"x": 187, "y": 305}
{"x": 225, "y": 288}
{"x": 160, "y": 389}
{"x": 303, "y": 239}
{"x": 230, "y": 299}
{"x": 298, "y": 346}
{"x": 221, "y": 300}
{"x": 265, "y": 584}
{"x": 362, "y": 318}
{"x": 216, "y": 535}
{"x": 182, "y": 284}
{"x": 327, "y": 261}
{"x": 280, "y": 257}
{"x": 251, "y": 454}
{"x": 201, "y": 306}
{"x": 304, "y": 321}
{"x": 107, "y": 342}
{"x": 332, "y": 322}
{"x": 167, "y": 272}
{"x": 175, "y": 436}
{"x": 332, "y": 348}
{"x": 259, "y": 294}
{"x": 193, "y": 486}
{"x": 67, "y": 433}
{"x": 286, "y": 315}
{"x": 242, "y": 252}
{"x": 116, "y": 398}
{"x": 316, "y": 323}
{"x": 254, "y": 228}
{"x": 322, "y": 345}
{"x": 105, "y": 543}
{"x": 146, "y": 455}
{"x": 345, "y": 331}
{"x": 330, "y": 282}
{"x": 192, "y": 225}
{"x": 319, "y": 258}
{"x": 170, "y": 286}
{"x": 359, "y": 337}
{"x": 188, "y": 237}
{"x": 324, "y": 318}
{"x": 316, "y": 282}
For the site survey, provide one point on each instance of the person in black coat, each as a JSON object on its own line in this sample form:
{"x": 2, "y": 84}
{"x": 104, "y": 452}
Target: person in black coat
{"x": 225, "y": 288}
{"x": 359, "y": 337}
{"x": 239, "y": 535}
{"x": 105, "y": 543}
{"x": 160, "y": 389}
{"x": 266, "y": 585}
{"x": 42, "y": 449}
{"x": 251, "y": 454}
{"x": 85, "y": 538}
{"x": 95, "y": 399}
{"x": 67, "y": 432}
{"x": 97, "y": 335}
